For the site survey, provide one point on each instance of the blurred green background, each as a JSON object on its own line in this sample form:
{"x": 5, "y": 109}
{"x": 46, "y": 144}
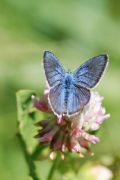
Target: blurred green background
{"x": 74, "y": 31}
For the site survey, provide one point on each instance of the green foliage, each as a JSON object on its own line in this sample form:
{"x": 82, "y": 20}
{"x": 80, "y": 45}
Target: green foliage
{"x": 27, "y": 118}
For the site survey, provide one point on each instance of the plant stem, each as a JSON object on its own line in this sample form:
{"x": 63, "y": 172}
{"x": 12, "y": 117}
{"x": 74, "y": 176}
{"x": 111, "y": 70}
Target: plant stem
{"x": 37, "y": 151}
{"x": 30, "y": 163}
{"x": 55, "y": 163}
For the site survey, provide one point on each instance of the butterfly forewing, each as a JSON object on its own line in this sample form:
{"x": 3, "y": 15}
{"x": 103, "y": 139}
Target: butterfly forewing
{"x": 53, "y": 69}
{"x": 89, "y": 74}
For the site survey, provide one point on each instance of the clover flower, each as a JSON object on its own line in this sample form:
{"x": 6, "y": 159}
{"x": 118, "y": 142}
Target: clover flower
{"x": 101, "y": 172}
{"x": 73, "y": 133}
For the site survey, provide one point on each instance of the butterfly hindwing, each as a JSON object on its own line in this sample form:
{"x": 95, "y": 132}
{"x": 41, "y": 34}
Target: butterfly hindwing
{"x": 89, "y": 74}
{"x": 53, "y": 69}
{"x": 78, "y": 97}
{"x": 56, "y": 99}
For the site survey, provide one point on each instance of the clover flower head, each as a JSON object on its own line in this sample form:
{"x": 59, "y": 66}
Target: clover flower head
{"x": 72, "y": 133}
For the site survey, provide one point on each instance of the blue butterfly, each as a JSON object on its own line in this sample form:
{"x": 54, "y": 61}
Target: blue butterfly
{"x": 69, "y": 92}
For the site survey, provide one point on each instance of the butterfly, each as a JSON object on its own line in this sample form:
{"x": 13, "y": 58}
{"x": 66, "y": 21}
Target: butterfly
{"x": 69, "y": 92}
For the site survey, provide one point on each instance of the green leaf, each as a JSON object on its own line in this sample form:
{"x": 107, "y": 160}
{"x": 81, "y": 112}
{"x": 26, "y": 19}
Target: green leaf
{"x": 27, "y": 116}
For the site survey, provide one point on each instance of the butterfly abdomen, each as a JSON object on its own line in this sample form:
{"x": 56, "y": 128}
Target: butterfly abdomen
{"x": 67, "y": 86}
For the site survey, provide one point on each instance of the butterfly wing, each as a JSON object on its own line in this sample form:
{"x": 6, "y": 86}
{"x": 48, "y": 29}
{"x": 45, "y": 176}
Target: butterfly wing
{"x": 53, "y": 69}
{"x": 89, "y": 74}
{"x": 56, "y": 99}
{"x": 78, "y": 97}
{"x": 55, "y": 74}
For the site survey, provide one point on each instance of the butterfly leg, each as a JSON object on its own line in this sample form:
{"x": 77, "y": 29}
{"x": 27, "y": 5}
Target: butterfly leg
{"x": 60, "y": 119}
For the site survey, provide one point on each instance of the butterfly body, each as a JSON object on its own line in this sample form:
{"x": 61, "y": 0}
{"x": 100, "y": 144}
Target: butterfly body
{"x": 69, "y": 92}
{"x": 68, "y": 85}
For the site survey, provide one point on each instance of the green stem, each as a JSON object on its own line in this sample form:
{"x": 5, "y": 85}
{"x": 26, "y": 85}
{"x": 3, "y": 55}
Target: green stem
{"x": 31, "y": 166}
{"x": 55, "y": 163}
{"x": 38, "y": 150}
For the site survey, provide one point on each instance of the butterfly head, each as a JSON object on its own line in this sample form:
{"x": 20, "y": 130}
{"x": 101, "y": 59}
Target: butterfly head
{"x": 69, "y": 71}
